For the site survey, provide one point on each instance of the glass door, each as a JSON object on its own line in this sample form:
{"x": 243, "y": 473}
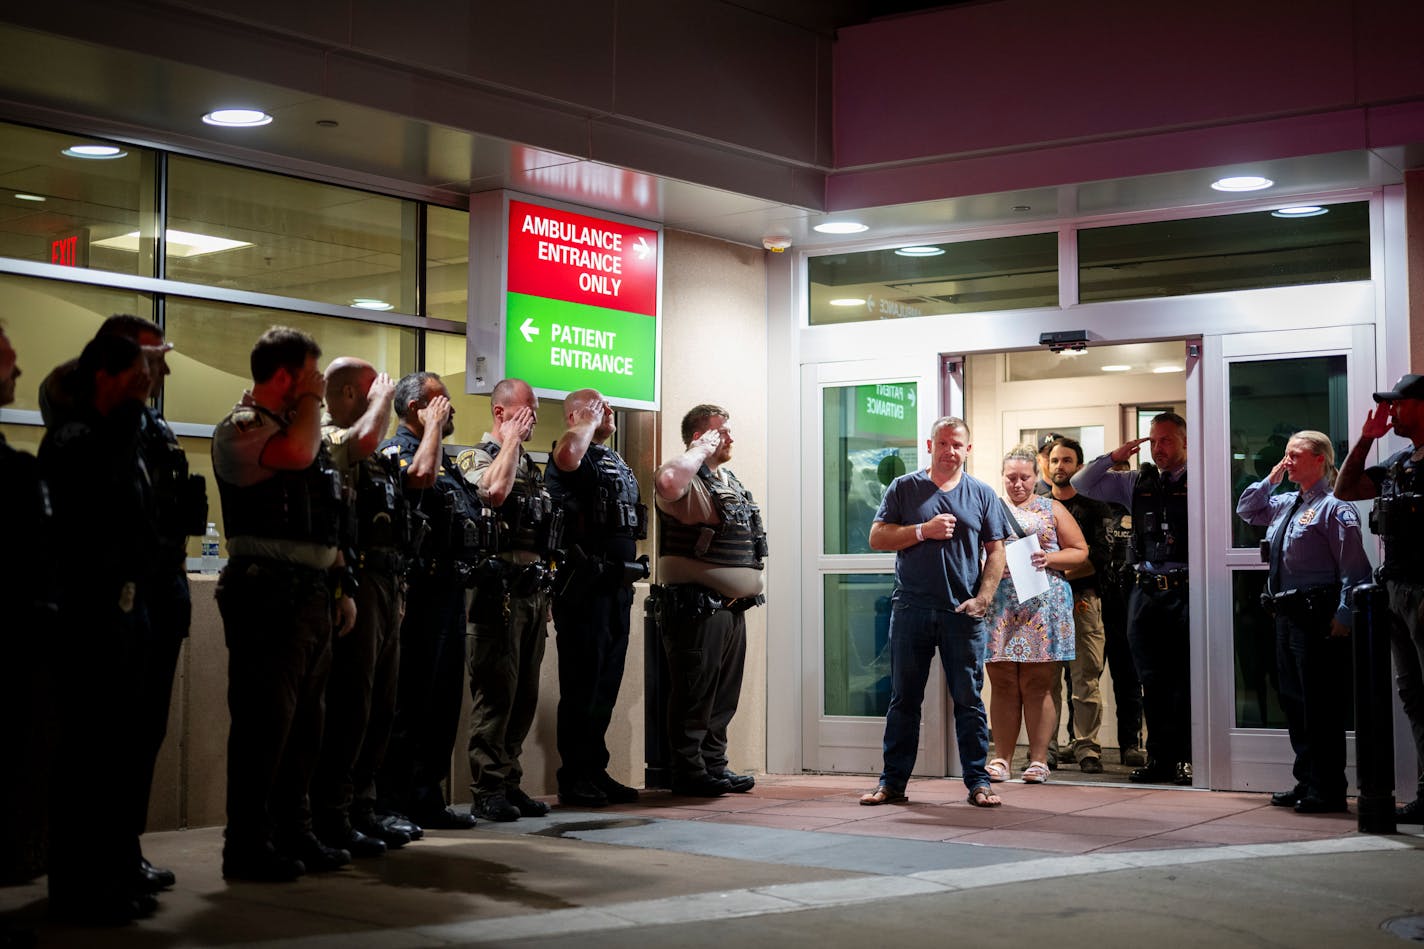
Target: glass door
{"x": 865, "y": 424}
{"x": 1262, "y": 389}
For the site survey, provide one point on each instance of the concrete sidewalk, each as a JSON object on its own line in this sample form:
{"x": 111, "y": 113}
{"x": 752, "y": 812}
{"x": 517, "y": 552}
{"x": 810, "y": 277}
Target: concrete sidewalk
{"x": 799, "y": 862}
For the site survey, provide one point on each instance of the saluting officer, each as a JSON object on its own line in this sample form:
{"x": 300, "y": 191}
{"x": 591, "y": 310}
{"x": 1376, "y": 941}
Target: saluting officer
{"x": 1316, "y": 556}
{"x": 283, "y": 505}
{"x": 432, "y": 634}
{"x": 1397, "y": 484}
{"x": 511, "y": 604}
{"x": 604, "y": 519}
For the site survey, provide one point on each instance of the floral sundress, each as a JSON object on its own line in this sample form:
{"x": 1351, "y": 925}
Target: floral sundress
{"x": 1040, "y": 630}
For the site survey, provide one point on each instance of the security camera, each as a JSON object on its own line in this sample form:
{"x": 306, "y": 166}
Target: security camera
{"x": 776, "y": 244}
{"x": 1070, "y": 340}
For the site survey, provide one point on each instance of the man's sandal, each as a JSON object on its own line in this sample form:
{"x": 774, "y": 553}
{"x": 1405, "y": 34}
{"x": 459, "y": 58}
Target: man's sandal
{"x": 883, "y": 795}
{"x": 984, "y": 796}
{"x": 998, "y": 770}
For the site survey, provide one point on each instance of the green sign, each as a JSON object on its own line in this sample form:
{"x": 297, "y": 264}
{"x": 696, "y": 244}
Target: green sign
{"x": 887, "y": 410}
{"x": 568, "y": 346}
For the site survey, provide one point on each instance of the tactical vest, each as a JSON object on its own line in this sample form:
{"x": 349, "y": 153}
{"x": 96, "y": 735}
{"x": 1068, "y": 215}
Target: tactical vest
{"x": 1159, "y": 517}
{"x": 457, "y": 527}
{"x": 528, "y": 519}
{"x": 738, "y": 541}
{"x": 611, "y": 508}
{"x": 180, "y": 498}
{"x": 1398, "y": 519}
{"x": 310, "y": 505}
{"x": 382, "y": 514}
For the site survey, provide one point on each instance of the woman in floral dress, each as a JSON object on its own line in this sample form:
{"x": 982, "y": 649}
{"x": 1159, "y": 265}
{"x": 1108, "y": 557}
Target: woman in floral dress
{"x": 1028, "y": 641}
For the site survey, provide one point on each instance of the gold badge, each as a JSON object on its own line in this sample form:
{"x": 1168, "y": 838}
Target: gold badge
{"x": 1307, "y": 517}
{"x": 127, "y": 593}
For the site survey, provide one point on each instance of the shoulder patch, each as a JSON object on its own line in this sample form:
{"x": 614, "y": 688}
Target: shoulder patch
{"x": 465, "y": 460}
{"x": 1348, "y": 515}
{"x": 245, "y": 419}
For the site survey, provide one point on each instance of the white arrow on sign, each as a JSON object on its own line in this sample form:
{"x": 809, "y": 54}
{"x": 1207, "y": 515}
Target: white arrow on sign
{"x": 528, "y": 330}
{"x": 642, "y": 249}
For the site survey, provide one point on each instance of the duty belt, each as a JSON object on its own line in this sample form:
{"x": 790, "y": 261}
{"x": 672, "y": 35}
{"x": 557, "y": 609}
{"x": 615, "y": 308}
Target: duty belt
{"x": 382, "y": 560}
{"x": 694, "y": 599}
{"x": 1303, "y": 603}
{"x": 1161, "y": 582}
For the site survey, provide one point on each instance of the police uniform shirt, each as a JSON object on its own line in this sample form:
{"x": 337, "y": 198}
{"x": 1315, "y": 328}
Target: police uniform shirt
{"x": 1099, "y": 481}
{"x": 474, "y": 462}
{"x": 402, "y": 446}
{"x": 1322, "y": 543}
{"x": 942, "y": 574}
{"x": 696, "y": 506}
{"x": 338, "y": 447}
{"x": 238, "y": 443}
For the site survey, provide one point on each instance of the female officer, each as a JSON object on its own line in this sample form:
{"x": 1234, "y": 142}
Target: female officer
{"x": 1315, "y": 557}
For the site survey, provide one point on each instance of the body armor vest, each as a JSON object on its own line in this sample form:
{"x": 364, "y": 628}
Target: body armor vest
{"x": 180, "y": 498}
{"x": 738, "y": 541}
{"x": 528, "y": 519}
{"x": 457, "y": 526}
{"x": 310, "y": 505}
{"x": 612, "y": 508}
{"x": 382, "y": 514}
{"x": 1159, "y": 517}
{"x": 1398, "y": 519}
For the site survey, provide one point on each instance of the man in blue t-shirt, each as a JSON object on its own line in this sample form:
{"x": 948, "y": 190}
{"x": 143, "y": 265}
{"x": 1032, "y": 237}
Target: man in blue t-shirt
{"x": 937, "y": 521}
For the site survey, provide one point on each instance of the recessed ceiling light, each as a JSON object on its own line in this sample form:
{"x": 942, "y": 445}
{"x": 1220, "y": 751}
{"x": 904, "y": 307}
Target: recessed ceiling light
{"x": 841, "y": 227}
{"x": 94, "y": 151}
{"x": 1021, "y": 208}
{"x": 1116, "y": 368}
{"x": 1242, "y": 183}
{"x": 30, "y": 197}
{"x": 848, "y": 301}
{"x": 371, "y": 303}
{"x": 176, "y": 243}
{"x": 919, "y": 251}
{"x": 237, "y": 118}
{"x": 1305, "y": 210}
{"x": 1162, "y": 369}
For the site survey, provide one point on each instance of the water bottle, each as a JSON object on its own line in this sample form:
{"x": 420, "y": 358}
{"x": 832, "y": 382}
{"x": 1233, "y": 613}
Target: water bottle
{"x": 210, "y": 549}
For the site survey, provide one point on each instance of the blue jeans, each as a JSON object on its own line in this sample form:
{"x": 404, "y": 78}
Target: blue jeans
{"x": 915, "y": 634}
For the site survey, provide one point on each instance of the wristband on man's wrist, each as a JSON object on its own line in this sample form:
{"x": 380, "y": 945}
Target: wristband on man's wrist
{"x": 920, "y": 533}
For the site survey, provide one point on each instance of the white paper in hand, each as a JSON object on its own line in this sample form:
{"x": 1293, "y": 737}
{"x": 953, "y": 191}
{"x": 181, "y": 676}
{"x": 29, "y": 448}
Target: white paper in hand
{"x": 1029, "y": 581}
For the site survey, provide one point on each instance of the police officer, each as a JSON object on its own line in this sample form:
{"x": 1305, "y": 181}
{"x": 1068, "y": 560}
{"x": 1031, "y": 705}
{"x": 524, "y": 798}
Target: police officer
{"x": 1398, "y": 486}
{"x": 432, "y": 634}
{"x": 96, "y": 478}
{"x": 1116, "y": 583}
{"x": 360, "y": 695}
{"x": 283, "y": 504}
{"x": 1157, "y": 622}
{"x": 710, "y": 555}
{"x": 511, "y": 604}
{"x": 604, "y": 519}
{"x": 1316, "y": 556}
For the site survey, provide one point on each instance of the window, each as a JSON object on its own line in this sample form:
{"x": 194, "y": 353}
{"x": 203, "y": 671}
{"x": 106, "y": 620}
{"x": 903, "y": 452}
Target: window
{"x": 869, "y": 441}
{"x": 447, "y": 264}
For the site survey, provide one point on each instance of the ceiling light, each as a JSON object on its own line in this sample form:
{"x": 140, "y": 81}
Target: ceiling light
{"x": 919, "y": 251}
{"x": 371, "y": 303}
{"x": 94, "y": 151}
{"x": 1305, "y": 210}
{"x": 1162, "y": 369}
{"x": 1242, "y": 183}
{"x": 1077, "y": 350}
{"x": 1116, "y": 368}
{"x": 30, "y": 197}
{"x": 848, "y": 301}
{"x": 841, "y": 227}
{"x": 176, "y": 243}
{"x": 237, "y": 118}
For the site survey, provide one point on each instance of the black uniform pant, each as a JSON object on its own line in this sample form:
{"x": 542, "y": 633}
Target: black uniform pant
{"x": 1127, "y": 688}
{"x": 170, "y": 613}
{"x": 592, "y": 637}
{"x": 1406, "y": 604}
{"x": 360, "y": 705}
{"x": 706, "y": 655}
{"x": 1158, "y": 632}
{"x": 430, "y": 691}
{"x": 277, "y": 623}
{"x": 1314, "y": 672}
{"x": 506, "y": 649}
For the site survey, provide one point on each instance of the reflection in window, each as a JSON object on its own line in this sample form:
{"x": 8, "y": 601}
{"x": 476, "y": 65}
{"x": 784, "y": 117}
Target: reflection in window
{"x": 74, "y": 211}
{"x": 1228, "y": 252}
{"x": 252, "y": 230}
{"x": 1003, "y": 273}
{"x": 869, "y": 441}
{"x": 857, "y": 652}
{"x": 213, "y": 343}
{"x": 447, "y": 264}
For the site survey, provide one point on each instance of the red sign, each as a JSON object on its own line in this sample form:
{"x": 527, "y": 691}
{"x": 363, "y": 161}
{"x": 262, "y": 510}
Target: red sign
{"x": 559, "y": 255}
{"x": 65, "y": 251}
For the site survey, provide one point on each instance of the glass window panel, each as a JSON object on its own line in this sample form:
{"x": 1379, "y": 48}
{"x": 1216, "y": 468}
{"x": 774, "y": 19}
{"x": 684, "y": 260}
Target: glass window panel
{"x": 289, "y": 237}
{"x": 1270, "y": 400}
{"x": 1004, "y": 273}
{"x": 869, "y": 440}
{"x": 79, "y": 212}
{"x": 445, "y": 356}
{"x": 857, "y": 638}
{"x": 23, "y": 437}
{"x": 447, "y": 263}
{"x": 49, "y": 321}
{"x": 213, "y": 342}
{"x": 1229, "y": 252}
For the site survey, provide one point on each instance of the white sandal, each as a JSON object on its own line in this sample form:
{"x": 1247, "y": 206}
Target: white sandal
{"x": 1035, "y": 773}
{"x": 998, "y": 770}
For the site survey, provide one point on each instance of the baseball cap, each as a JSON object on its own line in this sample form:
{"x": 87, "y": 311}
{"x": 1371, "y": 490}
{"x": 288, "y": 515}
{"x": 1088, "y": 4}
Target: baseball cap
{"x": 1409, "y": 386}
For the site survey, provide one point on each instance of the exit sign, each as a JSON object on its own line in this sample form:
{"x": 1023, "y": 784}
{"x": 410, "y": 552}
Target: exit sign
{"x": 70, "y": 248}
{"x": 578, "y": 305}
